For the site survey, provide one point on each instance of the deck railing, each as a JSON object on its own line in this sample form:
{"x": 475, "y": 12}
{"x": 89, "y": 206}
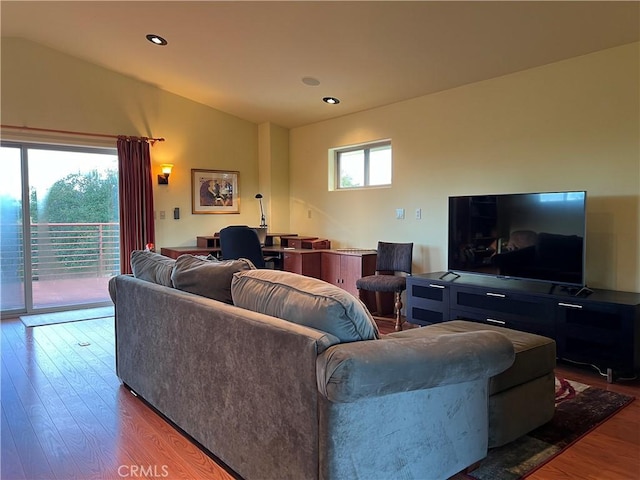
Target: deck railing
{"x": 68, "y": 250}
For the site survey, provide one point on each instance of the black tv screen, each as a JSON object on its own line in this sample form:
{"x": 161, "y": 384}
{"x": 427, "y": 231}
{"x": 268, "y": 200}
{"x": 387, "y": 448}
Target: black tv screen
{"x": 536, "y": 236}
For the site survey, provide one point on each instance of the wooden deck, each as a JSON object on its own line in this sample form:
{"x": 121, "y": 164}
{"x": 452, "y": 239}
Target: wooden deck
{"x": 65, "y": 415}
{"x": 52, "y": 294}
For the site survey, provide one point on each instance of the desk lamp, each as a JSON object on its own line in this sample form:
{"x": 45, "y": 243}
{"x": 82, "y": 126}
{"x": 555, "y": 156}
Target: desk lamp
{"x": 263, "y": 222}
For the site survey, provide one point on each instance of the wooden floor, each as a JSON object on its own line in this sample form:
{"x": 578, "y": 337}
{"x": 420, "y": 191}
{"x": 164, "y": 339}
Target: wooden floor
{"x": 65, "y": 415}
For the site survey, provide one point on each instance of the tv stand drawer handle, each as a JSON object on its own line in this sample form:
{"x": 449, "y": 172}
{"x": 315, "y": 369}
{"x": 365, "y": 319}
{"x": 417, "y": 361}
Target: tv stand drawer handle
{"x": 433, "y": 285}
{"x": 499, "y": 322}
{"x": 570, "y": 305}
{"x": 499, "y": 295}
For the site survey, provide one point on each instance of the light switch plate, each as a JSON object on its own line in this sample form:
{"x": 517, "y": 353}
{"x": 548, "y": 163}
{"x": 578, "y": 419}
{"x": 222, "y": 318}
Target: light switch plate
{"x": 399, "y": 213}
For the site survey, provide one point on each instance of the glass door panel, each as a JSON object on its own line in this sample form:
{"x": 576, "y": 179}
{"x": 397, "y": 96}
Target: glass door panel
{"x": 73, "y": 203}
{"x": 12, "y": 286}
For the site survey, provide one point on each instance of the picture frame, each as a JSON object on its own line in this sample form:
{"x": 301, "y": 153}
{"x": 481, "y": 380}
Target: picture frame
{"x": 214, "y": 191}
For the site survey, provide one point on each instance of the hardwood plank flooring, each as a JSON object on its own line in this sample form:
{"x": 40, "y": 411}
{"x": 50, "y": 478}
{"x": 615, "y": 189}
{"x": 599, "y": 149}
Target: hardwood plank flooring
{"x": 65, "y": 415}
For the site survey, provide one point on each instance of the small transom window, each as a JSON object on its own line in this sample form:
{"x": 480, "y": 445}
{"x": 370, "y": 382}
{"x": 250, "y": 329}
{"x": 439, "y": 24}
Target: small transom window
{"x": 363, "y": 166}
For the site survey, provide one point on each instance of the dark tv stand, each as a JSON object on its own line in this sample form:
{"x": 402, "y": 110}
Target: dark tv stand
{"x": 600, "y": 328}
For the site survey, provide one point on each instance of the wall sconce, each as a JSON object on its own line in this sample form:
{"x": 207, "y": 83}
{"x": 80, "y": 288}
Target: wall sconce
{"x": 166, "y": 171}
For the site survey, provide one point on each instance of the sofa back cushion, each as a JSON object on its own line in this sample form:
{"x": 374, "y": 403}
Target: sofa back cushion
{"x": 152, "y": 267}
{"x": 305, "y": 301}
{"x": 208, "y": 278}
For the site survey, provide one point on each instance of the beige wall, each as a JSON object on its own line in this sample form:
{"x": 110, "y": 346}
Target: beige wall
{"x": 273, "y": 160}
{"x": 572, "y": 125}
{"x": 47, "y": 89}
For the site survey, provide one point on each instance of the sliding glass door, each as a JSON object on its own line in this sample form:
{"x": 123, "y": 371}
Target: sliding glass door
{"x": 60, "y": 235}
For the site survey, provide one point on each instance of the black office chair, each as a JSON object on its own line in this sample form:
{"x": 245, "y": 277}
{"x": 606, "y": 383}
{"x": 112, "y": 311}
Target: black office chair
{"x": 240, "y": 241}
{"x": 393, "y": 264}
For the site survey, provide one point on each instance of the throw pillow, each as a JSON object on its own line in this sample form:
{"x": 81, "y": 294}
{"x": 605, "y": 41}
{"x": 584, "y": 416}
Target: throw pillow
{"x": 152, "y": 267}
{"x": 305, "y": 301}
{"x": 207, "y": 278}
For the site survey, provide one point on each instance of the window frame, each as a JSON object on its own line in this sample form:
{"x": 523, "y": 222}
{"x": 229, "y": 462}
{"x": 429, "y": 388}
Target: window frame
{"x": 366, "y": 149}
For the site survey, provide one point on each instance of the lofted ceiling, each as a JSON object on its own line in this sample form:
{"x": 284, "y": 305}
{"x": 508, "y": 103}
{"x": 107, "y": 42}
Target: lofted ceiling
{"x": 249, "y": 58}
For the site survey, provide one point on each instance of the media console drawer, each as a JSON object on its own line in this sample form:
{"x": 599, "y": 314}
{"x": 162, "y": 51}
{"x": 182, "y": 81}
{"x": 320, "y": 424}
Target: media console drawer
{"x": 539, "y": 326}
{"x": 520, "y": 312}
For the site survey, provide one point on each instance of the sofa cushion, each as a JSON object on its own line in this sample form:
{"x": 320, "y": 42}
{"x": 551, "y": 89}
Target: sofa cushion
{"x": 208, "y": 278}
{"x": 152, "y": 267}
{"x": 305, "y": 301}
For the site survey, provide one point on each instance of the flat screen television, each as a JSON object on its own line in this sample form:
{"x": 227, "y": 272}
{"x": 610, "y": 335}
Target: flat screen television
{"x": 533, "y": 236}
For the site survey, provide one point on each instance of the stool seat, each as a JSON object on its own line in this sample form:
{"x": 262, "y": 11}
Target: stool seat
{"x": 382, "y": 283}
{"x": 522, "y": 397}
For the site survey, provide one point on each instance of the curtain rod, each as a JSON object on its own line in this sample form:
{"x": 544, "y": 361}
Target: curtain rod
{"x": 70, "y": 132}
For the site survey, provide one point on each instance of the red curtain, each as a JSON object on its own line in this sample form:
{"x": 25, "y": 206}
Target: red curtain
{"x": 136, "y": 198}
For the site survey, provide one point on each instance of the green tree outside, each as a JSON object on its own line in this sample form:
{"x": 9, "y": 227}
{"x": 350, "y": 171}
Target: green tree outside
{"x": 80, "y": 198}
{"x": 83, "y": 198}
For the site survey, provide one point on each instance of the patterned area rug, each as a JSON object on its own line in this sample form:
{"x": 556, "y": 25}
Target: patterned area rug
{"x": 66, "y": 316}
{"x": 579, "y": 409}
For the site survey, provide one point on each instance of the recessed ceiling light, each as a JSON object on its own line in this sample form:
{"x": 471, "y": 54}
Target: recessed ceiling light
{"x": 156, "y": 39}
{"x": 331, "y": 100}
{"x": 312, "y": 82}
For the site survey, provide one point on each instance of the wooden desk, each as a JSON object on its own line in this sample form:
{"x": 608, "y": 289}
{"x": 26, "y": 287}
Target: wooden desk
{"x": 206, "y": 245}
{"x": 175, "y": 252}
{"x": 214, "y": 240}
{"x": 340, "y": 267}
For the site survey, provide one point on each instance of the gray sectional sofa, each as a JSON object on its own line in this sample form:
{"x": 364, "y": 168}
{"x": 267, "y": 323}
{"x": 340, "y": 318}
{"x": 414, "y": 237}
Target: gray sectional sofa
{"x": 291, "y": 379}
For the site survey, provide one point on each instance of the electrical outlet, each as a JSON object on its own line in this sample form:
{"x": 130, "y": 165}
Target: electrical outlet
{"x": 418, "y": 213}
{"x": 399, "y": 213}
{"x": 163, "y": 214}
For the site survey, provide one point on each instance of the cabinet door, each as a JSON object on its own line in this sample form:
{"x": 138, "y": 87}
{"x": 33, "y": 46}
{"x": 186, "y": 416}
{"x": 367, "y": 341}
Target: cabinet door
{"x": 597, "y": 333}
{"x": 344, "y": 270}
{"x": 350, "y": 272}
{"x": 311, "y": 264}
{"x": 292, "y": 262}
{"x": 330, "y": 268}
{"x": 307, "y": 264}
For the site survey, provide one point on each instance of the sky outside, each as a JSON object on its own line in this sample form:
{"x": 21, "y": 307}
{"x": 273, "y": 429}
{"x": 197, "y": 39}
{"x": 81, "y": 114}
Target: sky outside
{"x": 48, "y": 166}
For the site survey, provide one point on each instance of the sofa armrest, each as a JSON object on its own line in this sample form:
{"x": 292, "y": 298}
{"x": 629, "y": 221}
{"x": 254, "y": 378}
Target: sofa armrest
{"x": 112, "y": 286}
{"x": 351, "y": 371}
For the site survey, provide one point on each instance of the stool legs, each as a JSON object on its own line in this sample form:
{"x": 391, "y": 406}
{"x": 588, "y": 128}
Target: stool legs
{"x": 398, "y": 309}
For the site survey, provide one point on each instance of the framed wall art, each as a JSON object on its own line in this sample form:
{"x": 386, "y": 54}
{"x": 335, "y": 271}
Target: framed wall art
{"x": 214, "y": 191}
